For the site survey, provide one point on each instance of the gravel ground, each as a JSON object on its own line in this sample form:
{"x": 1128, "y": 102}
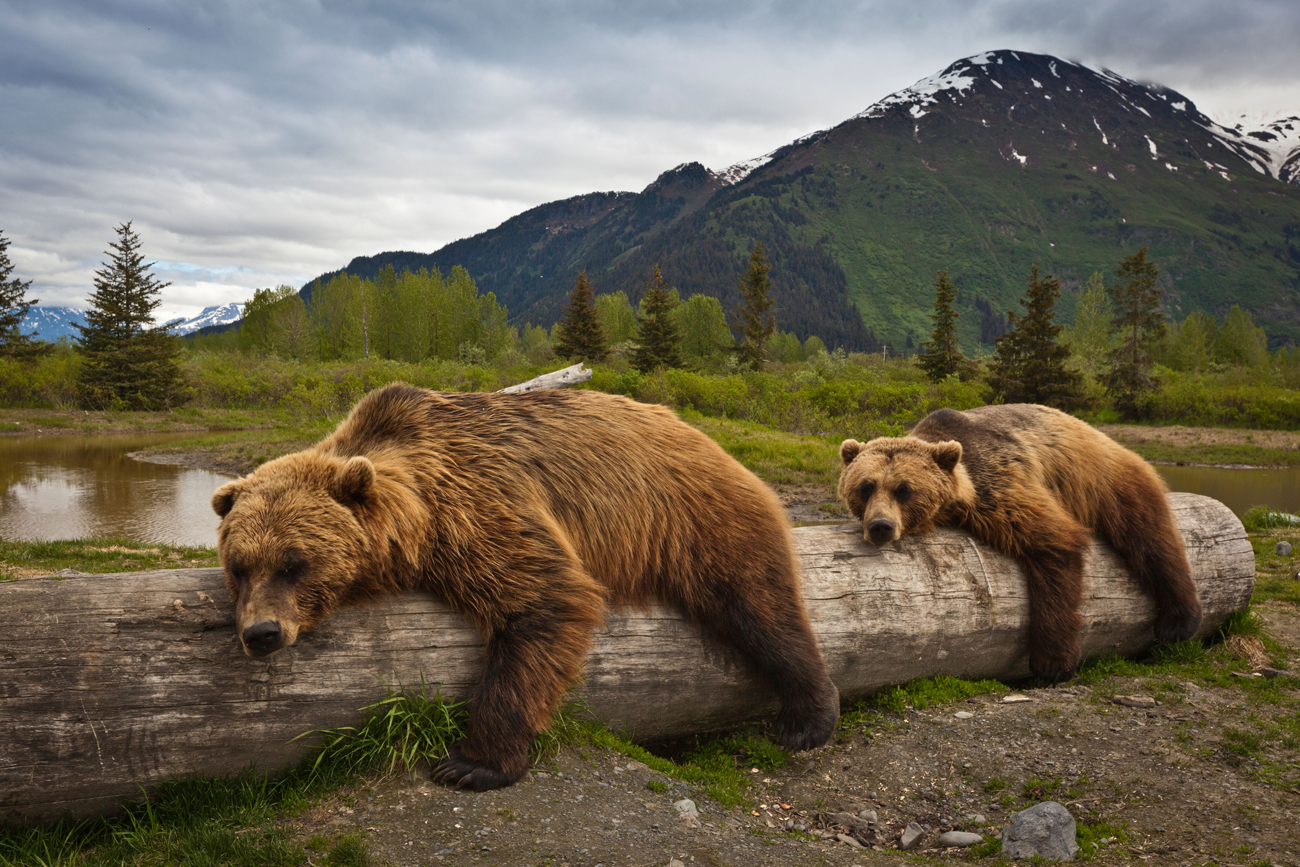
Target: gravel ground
{"x": 1163, "y": 776}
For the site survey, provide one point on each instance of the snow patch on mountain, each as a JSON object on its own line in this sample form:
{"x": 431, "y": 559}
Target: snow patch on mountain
{"x": 51, "y": 323}
{"x": 222, "y": 314}
{"x": 926, "y": 91}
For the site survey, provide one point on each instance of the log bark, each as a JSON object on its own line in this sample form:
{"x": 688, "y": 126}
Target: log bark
{"x": 110, "y": 683}
{"x": 563, "y": 378}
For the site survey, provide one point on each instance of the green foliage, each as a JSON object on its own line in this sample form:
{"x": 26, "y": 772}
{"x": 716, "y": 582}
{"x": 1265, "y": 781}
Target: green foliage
{"x": 402, "y": 730}
{"x": 617, "y": 318}
{"x": 755, "y": 302}
{"x": 1030, "y": 365}
{"x": 97, "y": 556}
{"x": 1190, "y": 343}
{"x": 1259, "y": 518}
{"x": 275, "y": 323}
{"x": 658, "y": 339}
{"x": 1239, "y": 342}
{"x": 703, "y": 325}
{"x": 1095, "y": 838}
{"x": 941, "y": 357}
{"x": 13, "y": 307}
{"x": 924, "y": 692}
{"x": 582, "y": 338}
{"x": 1090, "y": 339}
{"x": 1139, "y": 327}
{"x": 129, "y": 362}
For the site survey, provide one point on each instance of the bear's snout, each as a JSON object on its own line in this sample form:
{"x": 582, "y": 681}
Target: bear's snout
{"x": 880, "y": 531}
{"x": 263, "y": 638}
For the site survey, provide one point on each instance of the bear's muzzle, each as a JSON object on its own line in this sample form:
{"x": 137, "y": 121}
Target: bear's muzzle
{"x": 263, "y": 638}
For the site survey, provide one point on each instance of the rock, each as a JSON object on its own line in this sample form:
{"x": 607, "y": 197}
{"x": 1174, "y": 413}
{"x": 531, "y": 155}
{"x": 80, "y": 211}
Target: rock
{"x": 634, "y": 766}
{"x": 868, "y": 815}
{"x": 675, "y": 863}
{"x": 1134, "y": 700}
{"x": 1014, "y": 698}
{"x": 1046, "y": 830}
{"x": 1275, "y": 672}
{"x": 977, "y": 819}
{"x": 860, "y": 828}
{"x": 959, "y": 838}
{"x": 911, "y": 838}
{"x": 687, "y": 808}
{"x": 846, "y": 839}
{"x": 964, "y": 714}
{"x": 1284, "y": 549}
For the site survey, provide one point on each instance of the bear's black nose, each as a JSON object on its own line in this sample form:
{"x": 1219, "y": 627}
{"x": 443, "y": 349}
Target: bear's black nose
{"x": 262, "y": 637}
{"x": 879, "y": 531}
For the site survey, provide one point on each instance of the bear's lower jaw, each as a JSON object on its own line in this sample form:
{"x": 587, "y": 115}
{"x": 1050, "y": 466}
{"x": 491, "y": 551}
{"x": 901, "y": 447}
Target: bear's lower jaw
{"x": 461, "y": 772}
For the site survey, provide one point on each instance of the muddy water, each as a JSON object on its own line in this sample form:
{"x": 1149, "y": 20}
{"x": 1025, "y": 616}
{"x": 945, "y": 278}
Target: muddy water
{"x": 78, "y": 487}
{"x": 1239, "y": 489}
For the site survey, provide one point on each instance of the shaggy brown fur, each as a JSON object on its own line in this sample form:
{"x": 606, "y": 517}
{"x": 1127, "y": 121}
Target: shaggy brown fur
{"x": 1031, "y": 482}
{"x": 530, "y": 514}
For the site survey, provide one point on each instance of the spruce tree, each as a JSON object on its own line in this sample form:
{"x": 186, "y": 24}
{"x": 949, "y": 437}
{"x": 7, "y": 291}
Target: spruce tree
{"x": 941, "y": 356}
{"x": 13, "y": 308}
{"x": 755, "y": 304}
{"x": 1029, "y": 363}
{"x": 659, "y": 342}
{"x": 130, "y": 362}
{"x": 581, "y": 336}
{"x": 1139, "y": 327}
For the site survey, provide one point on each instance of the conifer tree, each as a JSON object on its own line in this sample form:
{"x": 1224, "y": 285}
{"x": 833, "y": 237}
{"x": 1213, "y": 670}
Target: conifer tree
{"x": 129, "y": 361}
{"x": 581, "y": 336}
{"x": 755, "y": 304}
{"x": 1139, "y": 327}
{"x": 13, "y": 308}
{"x": 941, "y": 356}
{"x": 1029, "y": 364}
{"x": 659, "y": 342}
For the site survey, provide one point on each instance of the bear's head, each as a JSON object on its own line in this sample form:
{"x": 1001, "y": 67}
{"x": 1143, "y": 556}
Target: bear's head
{"x": 897, "y": 485}
{"x": 292, "y": 544}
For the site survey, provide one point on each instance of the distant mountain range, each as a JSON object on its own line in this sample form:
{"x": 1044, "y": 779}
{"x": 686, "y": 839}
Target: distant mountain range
{"x": 51, "y": 323}
{"x": 1001, "y": 161}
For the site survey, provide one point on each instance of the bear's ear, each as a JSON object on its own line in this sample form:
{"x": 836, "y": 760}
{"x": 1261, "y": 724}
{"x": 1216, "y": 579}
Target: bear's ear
{"x": 354, "y": 481}
{"x": 947, "y": 455}
{"x": 849, "y": 450}
{"x": 223, "y": 499}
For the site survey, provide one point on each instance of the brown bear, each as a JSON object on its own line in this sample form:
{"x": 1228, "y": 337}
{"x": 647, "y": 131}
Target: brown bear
{"x": 1030, "y": 482}
{"x": 530, "y": 514}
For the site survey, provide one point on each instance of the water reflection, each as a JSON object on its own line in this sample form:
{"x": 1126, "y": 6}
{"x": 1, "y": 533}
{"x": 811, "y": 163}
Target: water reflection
{"x": 1238, "y": 489}
{"x": 85, "y": 486}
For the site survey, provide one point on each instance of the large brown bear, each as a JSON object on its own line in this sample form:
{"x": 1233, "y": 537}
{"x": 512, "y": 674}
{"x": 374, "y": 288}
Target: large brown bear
{"x": 1031, "y": 482}
{"x": 529, "y": 514}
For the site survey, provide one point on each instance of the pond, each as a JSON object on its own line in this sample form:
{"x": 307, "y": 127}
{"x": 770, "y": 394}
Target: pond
{"x": 1238, "y": 489}
{"x": 75, "y": 487}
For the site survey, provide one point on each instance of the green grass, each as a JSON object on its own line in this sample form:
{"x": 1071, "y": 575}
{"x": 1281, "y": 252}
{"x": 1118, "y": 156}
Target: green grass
{"x": 927, "y": 691}
{"x": 1090, "y": 838}
{"x": 1217, "y": 453}
{"x": 97, "y": 556}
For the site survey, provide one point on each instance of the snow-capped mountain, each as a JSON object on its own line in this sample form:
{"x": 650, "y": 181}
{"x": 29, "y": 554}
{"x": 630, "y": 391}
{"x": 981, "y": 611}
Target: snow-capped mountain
{"x": 1273, "y": 149}
{"x": 223, "y": 314}
{"x": 51, "y": 323}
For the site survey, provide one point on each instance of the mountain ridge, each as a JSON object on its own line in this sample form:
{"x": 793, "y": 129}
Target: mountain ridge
{"x": 1001, "y": 160}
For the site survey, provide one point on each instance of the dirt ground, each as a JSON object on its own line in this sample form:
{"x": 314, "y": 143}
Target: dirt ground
{"x": 1177, "y": 435}
{"x": 1162, "y": 777}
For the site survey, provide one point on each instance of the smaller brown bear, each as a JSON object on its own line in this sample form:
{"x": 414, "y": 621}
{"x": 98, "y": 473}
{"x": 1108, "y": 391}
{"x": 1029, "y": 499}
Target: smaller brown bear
{"x": 1030, "y": 482}
{"x": 530, "y": 514}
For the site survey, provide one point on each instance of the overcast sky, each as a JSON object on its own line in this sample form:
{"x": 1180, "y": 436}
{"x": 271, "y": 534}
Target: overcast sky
{"x": 259, "y": 143}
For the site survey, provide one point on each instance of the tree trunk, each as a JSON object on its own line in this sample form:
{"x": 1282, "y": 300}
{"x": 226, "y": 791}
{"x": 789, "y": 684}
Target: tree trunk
{"x": 112, "y": 682}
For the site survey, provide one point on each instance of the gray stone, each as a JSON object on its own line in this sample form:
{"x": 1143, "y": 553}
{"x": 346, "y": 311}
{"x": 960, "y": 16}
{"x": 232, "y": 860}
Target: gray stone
{"x": 849, "y": 841}
{"x": 911, "y": 838}
{"x": 964, "y": 714}
{"x": 1284, "y": 549}
{"x": 868, "y": 815}
{"x": 1046, "y": 830}
{"x": 1134, "y": 700}
{"x": 675, "y": 863}
{"x": 959, "y": 838}
{"x": 977, "y": 819}
{"x": 687, "y": 808}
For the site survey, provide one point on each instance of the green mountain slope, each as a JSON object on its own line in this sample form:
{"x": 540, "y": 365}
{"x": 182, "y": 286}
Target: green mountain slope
{"x": 1002, "y": 161}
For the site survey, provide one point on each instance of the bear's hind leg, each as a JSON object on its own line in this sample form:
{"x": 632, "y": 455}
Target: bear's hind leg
{"x": 777, "y": 641}
{"x": 1140, "y": 527}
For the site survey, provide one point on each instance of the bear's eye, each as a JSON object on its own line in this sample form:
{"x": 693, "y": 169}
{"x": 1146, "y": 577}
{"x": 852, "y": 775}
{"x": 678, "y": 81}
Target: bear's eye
{"x": 866, "y": 490}
{"x": 237, "y": 572}
{"x": 293, "y": 568}
{"x": 903, "y": 493}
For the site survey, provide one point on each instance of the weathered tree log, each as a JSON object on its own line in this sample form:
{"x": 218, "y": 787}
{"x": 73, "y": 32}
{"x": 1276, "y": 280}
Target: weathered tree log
{"x": 112, "y": 682}
{"x": 562, "y": 378}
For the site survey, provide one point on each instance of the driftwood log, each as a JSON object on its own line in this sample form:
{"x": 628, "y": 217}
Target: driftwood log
{"x": 562, "y": 378}
{"x": 110, "y": 683}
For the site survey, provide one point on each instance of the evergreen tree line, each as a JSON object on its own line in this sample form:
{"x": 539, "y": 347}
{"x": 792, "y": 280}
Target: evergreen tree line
{"x": 1119, "y": 337}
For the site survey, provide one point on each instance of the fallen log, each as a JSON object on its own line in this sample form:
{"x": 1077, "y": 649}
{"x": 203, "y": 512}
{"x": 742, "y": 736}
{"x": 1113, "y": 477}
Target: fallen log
{"x": 110, "y": 683}
{"x": 562, "y": 378}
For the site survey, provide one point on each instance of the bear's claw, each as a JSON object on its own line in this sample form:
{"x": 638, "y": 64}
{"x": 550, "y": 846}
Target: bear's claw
{"x": 1048, "y": 670}
{"x": 463, "y": 773}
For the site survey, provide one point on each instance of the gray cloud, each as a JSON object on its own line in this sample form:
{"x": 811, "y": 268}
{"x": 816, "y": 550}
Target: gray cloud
{"x": 267, "y": 142}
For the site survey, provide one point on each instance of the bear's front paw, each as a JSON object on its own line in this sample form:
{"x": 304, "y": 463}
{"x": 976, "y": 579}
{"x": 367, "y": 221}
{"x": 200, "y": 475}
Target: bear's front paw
{"x": 1053, "y": 669}
{"x": 807, "y": 724}
{"x": 1175, "y": 626}
{"x": 461, "y": 772}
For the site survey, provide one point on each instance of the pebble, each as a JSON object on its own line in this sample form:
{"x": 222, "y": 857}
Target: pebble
{"x": 868, "y": 815}
{"x": 959, "y": 838}
{"x": 849, "y": 841}
{"x": 912, "y": 835}
{"x": 675, "y": 863}
{"x": 1284, "y": 549}
{"x": 1014, "y": 698}
{"x": 977, "y": 819}
{"x": 1046, "y": 830}
{"x": 964, "y": 714}
{"x": 1134, "y": 700}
